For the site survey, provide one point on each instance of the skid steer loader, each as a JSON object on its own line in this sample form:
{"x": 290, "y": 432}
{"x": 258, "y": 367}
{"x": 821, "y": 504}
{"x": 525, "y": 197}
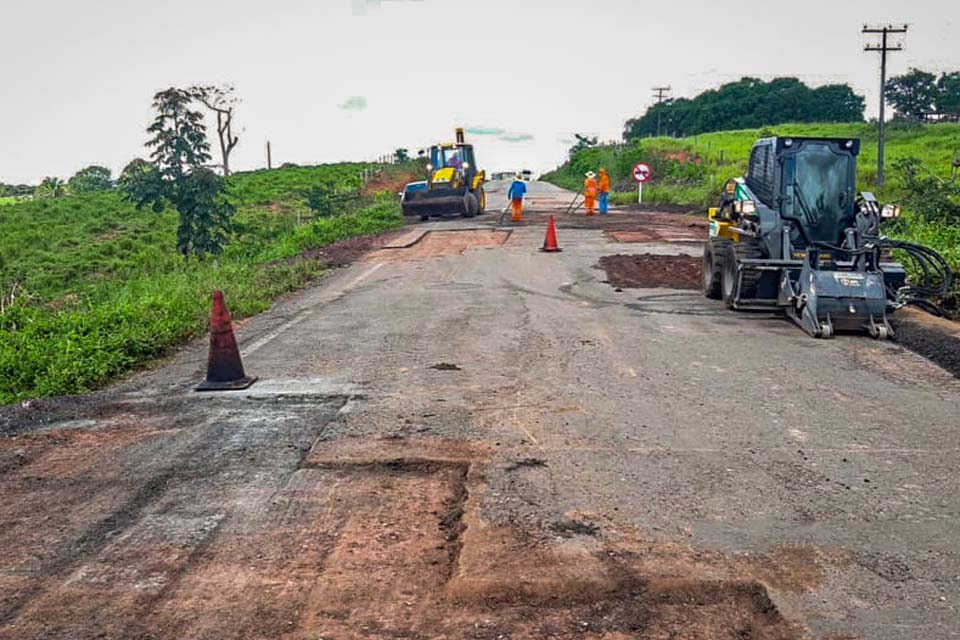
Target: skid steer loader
{"x": 454, "y": 183}
{"x": 795, "y": 235}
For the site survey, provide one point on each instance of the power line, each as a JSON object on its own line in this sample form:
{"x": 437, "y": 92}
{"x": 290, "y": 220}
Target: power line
{"x": 660, "y": 93}
{"x": 883, "y": 49}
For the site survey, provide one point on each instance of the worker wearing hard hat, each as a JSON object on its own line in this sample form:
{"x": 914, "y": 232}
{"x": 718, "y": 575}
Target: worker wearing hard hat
{"x": 604, "y": 190}
{"x": 590, "y": 193}
{"x": 515, "y": 194}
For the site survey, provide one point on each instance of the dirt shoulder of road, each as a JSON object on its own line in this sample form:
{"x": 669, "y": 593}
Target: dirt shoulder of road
{"x": 936, "y": 339}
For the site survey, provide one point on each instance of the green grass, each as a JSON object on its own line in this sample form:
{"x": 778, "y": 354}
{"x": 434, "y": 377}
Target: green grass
{"x": 723, "y": 155}
{"x": 8, "y": 200}
{"x": 102, "y": 290}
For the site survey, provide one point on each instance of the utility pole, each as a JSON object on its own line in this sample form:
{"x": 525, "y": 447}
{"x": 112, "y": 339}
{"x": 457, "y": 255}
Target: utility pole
{"x": 883, "y": 48}
{"x": 269, "y": 157}
{"x": 660, "y": 93}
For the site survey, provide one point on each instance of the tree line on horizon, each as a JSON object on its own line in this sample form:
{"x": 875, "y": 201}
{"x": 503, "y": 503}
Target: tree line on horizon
{"x": 752, "y": 103}
{"x": 921, "y": 96}
{"x": 749, "y": 103}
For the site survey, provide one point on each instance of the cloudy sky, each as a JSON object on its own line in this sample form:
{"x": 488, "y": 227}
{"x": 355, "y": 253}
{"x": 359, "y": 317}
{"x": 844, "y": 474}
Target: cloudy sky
{"x": 328, "y": 80}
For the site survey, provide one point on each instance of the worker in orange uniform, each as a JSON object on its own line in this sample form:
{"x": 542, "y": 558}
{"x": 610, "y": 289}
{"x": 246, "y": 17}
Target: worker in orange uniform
{"x": 515, "y": 194}
{"x": 590, "y": 193}
{"x": 604, "y": 188}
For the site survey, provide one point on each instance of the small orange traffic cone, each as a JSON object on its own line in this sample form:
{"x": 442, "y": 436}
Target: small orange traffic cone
{"x": 550, "y": 242}
{"x": 224, "y": 367}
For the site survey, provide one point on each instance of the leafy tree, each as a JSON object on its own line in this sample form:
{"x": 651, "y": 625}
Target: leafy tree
{"x": 179, "y": 139}
{"x": 141, "y": 183}
{"x": 948, "y": 98}
{"x": 583, "y": 142}
{"x": 836, "y": 103}
{"x": 749, "y": 103}
{"x": 221, "y": 101}
{"x": 91, "y": 179}
{"x": 51, "y": 188}
{"x": 931, "y": 197}
{"x": 402, "y": 155}
{"x": 913, "y": 94}
{"x": 177, "y": 176}
{"x": 205, "y": 215}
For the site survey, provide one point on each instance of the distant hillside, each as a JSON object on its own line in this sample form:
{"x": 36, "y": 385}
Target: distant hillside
{"x": 692, "y": 170}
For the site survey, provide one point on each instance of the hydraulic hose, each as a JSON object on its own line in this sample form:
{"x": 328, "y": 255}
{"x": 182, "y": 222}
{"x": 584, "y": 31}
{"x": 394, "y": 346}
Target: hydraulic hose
{"x": 936, "y": 280}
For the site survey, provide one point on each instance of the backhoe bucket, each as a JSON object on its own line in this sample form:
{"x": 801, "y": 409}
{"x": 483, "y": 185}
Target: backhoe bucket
{"x": 441, "y": 202}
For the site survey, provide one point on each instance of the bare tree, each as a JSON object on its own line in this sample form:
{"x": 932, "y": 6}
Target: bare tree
{"x": 221, "y": 101}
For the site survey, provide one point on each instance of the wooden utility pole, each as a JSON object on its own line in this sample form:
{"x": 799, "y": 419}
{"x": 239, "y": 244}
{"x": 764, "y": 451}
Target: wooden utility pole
{"x": 883, "y": 48}
{"x": 269, "y": 157}
{"x": 660, "y": 93}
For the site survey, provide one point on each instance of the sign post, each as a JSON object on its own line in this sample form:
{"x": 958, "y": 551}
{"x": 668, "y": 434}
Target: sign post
{"x": 641, "y": 173}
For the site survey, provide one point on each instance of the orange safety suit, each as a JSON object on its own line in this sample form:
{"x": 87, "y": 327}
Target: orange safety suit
{"x": 604, "y": 192}
{"x": 604, "y": 182}
{"x": 517, "y": 204}
{"x": 590, "y": 195}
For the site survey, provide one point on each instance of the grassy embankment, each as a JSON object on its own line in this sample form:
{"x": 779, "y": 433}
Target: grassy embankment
{"x": 102, "y": 290}
{"x": 692, "y": 171}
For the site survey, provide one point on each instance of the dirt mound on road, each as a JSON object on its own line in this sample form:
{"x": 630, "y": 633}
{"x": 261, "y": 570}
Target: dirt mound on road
{"x": 647, "y": 271}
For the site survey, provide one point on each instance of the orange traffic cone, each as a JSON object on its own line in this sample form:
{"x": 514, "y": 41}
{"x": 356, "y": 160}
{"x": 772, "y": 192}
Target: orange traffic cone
{"x": 224, "y": 367}
{"x": 550, "y": 242}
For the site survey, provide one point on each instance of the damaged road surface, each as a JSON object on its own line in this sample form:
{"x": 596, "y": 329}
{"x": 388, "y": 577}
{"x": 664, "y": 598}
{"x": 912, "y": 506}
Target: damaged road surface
{"x": 459, "y": 436}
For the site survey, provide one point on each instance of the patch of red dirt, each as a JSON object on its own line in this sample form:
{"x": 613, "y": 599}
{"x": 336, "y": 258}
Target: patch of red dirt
{"x": 361, "y": 538}
{"x": 346, "y": 252}
{"x": 681, "y": 156}
{"x": 647, "y": 271}
{"x": 390, "y": 180}
{"x": 435, "y": 244}
{"x": 660, "y": 233}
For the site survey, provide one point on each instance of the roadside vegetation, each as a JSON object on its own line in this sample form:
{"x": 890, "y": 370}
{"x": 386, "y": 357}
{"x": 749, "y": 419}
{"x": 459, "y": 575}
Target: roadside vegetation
{"x": 692, "y": 171}
{"x": 92, "y": 286}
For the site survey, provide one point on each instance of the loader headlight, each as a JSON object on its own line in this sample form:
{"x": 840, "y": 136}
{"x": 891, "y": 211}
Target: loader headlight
{"x": 466, "y": 165}
{"x": 849, "y": 144}
{"x": 788, "y": 142}
{"x": 746, "y": 207}
{"x": 429, "y": 167}
{"x": 890, "y": 211}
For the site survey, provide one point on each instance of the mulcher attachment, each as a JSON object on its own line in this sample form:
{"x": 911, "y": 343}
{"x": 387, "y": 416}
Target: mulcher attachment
{"x": 823, "y": 301}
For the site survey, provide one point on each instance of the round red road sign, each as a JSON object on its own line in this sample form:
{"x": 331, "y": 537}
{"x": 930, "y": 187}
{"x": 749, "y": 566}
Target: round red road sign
{"x": 642, "y": 172}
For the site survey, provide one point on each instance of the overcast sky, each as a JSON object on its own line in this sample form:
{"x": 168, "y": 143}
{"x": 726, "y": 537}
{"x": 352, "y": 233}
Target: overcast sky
{"x": 329, "y": 80}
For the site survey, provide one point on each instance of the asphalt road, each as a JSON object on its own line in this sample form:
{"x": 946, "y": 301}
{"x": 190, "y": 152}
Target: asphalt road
{"x": 506, "y": 415}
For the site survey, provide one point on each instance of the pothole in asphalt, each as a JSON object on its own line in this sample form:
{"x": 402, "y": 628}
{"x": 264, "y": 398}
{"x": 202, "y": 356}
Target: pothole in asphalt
{"x": 443, "y": 243}
{"x": 652, "y": 271}
{"x": 659, "y": 233}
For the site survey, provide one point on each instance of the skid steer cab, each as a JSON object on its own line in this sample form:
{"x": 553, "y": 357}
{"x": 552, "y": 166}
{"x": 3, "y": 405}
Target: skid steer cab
{"x": 454, "y": 184}
{"x": 795, "y": 235}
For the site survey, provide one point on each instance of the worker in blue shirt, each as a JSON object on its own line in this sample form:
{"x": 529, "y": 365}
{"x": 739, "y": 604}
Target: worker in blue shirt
{"x": 515, "y": 194}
